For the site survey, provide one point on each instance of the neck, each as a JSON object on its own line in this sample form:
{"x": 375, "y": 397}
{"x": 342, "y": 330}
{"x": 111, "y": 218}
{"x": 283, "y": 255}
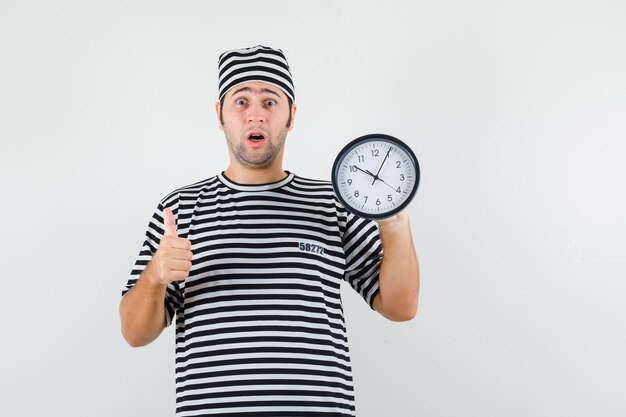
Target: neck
{"x": 243, "y": 175}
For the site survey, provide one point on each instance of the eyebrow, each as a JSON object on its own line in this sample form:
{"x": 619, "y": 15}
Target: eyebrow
{"x": 248, "y": 89}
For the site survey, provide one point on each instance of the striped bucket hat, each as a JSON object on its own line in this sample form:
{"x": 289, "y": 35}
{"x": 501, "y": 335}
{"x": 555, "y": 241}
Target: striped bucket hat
{"x": 259, "y": 63}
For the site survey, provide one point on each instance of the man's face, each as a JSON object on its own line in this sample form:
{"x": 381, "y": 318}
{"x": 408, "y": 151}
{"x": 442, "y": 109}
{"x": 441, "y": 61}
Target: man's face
{"x": 255, "y": 118}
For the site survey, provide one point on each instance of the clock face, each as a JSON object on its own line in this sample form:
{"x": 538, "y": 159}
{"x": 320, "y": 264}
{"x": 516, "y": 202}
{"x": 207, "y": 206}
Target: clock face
{"x": 375, "y": 176}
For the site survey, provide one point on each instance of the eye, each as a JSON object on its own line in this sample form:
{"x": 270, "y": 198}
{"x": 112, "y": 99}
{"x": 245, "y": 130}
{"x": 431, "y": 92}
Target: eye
{"x": 240, "y": 102}
{"x": 270, "y": 102}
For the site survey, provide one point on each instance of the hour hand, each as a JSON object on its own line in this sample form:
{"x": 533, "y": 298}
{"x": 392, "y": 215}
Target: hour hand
{"x": 365, "y": 171}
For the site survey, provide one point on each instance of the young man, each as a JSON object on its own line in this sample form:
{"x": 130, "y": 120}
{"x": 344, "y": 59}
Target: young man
{"x": 250, "y": 262}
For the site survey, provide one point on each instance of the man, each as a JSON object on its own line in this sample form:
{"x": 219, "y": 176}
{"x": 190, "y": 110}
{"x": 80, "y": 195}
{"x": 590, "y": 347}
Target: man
{"x": 250, "y": 262}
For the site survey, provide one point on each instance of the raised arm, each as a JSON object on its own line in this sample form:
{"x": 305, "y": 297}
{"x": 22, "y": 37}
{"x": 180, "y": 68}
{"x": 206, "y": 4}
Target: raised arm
{"x": 142, "y": 309}
{"x": 399, "y": 278}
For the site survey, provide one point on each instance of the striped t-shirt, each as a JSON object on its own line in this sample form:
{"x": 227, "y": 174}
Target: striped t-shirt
{"x": 260, "y": 328}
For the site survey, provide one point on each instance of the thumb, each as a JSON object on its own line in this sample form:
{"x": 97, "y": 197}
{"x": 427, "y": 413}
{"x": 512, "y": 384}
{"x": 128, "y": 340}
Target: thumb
{"x": 169, "y": 222}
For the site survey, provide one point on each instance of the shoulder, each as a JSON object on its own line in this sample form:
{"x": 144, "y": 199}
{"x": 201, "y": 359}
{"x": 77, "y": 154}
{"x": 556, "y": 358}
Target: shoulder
{"x": 312, "y": 188}
{"x": 319, "y": 193}
{"x": 311, "y": 184}
{"x": 192, "y": 191}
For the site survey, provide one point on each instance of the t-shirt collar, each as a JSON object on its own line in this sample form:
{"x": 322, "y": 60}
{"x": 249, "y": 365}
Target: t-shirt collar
{"x": 254, "y": 187}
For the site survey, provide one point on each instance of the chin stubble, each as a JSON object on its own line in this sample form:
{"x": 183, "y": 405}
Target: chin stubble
{"x": 261, "y": 161}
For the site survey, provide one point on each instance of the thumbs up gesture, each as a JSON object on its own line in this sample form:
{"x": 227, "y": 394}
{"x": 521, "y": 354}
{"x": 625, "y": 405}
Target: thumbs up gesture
{"x": 172, "y": 261}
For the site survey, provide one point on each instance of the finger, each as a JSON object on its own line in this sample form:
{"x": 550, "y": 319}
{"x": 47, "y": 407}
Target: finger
{"x": 178, "y": 275}
{"x": 178, "y": 265}
{"x": 181, "y": 254}
{"x": 180, "y": 243}
{"x": 169, "y": 222}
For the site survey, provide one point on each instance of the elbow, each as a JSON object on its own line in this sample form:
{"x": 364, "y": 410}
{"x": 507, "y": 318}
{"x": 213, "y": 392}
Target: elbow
{"x": 133, "y": 343}
{"x": 408, "y": 316}
{"x": 132, "y": 334}
{"x": 398, "y": 312}
{"x": 407, "y": 313}
{"x": 133, "y": 339}
{"x": 404, "y": 315}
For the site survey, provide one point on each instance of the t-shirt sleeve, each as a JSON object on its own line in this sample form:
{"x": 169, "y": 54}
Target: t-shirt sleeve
{"x": 173, "y": 295}
{"x": 364, "y": 253}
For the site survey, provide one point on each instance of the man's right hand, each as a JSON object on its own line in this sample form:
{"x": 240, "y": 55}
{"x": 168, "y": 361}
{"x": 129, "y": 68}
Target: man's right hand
{"x": 172, "y": 261}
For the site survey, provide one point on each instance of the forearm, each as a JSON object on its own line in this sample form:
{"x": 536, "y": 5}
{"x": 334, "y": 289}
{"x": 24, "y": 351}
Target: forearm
{"x": 142, "y": 310}
{"x": 399, "y": 272}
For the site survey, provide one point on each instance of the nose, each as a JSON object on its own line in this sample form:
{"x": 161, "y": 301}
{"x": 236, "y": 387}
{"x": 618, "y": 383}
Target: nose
{"x": 256, "y": 114}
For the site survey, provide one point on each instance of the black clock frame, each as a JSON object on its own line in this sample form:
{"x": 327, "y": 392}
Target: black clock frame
{"x": 359, "y": 141}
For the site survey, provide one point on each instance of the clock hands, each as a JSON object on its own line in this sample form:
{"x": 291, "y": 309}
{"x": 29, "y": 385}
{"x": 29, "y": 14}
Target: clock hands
{"x": 395, "y": 189}
{"x": 365, "y": 171}
{"x": 375, "y": 176}
{"x": 381, "y": 167}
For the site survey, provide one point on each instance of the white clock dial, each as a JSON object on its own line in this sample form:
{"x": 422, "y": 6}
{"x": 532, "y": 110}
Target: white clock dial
{"x": 375, "y": 176}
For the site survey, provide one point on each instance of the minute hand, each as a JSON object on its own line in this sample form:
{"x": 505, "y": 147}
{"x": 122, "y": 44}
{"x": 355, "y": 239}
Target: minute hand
{"x": 381, "y": 167}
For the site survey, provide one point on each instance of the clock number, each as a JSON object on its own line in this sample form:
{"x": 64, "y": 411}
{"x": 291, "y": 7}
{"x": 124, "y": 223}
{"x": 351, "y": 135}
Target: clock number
{"x": 375, "y": 152}
{"x": 365, "y": 199}
{"x": 361, "y": 158}
{"x": 378, "y": 201}
{"x": 356, "y": 193}
{"x": 398, "y": 164}
{"x": 389, "y": 198}
{"x": 401, "y": 177}
{"x": 349, "y": 181}
{"x": 352, "y": 168}
{"x": 398, "y": 190}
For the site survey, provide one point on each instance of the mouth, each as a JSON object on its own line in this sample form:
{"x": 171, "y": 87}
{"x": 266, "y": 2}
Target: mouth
{"x": 255, "y": 137}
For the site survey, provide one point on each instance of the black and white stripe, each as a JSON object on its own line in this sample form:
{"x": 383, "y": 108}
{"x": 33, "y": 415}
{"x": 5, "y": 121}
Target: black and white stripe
{"x": 259, "y": 63}
{"x": 260, "y": 329}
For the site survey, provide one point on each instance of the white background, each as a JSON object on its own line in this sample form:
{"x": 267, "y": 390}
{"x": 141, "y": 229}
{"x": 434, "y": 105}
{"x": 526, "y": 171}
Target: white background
{"x": 515, "y": 109}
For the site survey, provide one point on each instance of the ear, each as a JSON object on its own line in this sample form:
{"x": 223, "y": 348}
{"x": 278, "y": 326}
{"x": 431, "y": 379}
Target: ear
{"x": 293, "y": 115}
{"x": 217, "y": 113}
